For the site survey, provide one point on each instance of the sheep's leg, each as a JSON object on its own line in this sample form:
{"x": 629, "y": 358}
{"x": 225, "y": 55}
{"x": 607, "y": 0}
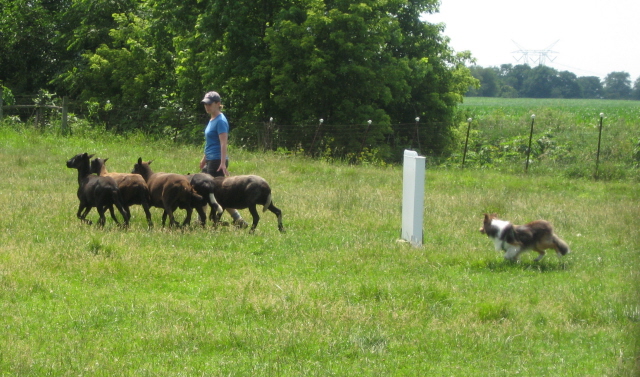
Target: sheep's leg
{"x": 278, "y": 213}
{"x": 168, "y": 211}
{"x": 201, "y": 214}
{"x": 124, "y": 211}
{"x": 103, "y": 219}
{"x": 147, "y": 213}
{"x": 113, "y": 215}
{"x": 216, "y": 215}
{"x": 116, "y": 198}
{"x": 256, "y": 217}
{"x": 187, "y": 220}
{"x": 216, "y": 211}
{"x": 164, "y": 217}
{"x": 82, "y": 216}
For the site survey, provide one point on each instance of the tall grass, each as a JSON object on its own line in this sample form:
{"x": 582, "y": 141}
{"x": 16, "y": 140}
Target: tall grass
{"x": 336, "y": 295}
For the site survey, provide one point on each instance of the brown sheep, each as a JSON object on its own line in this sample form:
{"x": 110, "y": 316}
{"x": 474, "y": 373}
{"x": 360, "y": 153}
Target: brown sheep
{"x": 133, "y": 188}
{"x": 168, "y": 191}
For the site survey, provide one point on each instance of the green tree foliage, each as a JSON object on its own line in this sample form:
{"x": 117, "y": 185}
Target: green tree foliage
{"x": 617, "y": 85}
{"x": 545, "y": 82}
{"x": 636, "y": 89}
{"x": 488, "y": 80}
{"x": 294, "y": 60}
{"x": 28, "y": 57}
{"x": 591, "y": 86}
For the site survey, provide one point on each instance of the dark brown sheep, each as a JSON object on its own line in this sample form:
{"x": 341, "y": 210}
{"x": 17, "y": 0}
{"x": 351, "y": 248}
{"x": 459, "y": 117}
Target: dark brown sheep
{"x": 94, "y": 191}
{"x": 245, "y": 191}
{"x": 203, "y": 184}
{"x": 168, "y": 191}
{"x": 133, "y": 188}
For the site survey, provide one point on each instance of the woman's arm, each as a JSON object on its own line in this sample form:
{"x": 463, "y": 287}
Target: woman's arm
{"x": 223, "y": 153}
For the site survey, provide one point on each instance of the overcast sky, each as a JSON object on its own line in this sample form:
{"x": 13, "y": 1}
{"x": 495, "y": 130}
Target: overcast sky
{"x": 589, "y": 38}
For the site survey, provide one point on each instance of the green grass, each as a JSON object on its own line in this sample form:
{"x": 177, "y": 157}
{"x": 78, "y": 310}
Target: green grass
{"x": 336, "y": 295}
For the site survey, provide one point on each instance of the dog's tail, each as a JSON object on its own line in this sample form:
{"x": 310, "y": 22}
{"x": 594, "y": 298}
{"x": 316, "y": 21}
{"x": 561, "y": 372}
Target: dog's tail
{"x": 561, "y": 246}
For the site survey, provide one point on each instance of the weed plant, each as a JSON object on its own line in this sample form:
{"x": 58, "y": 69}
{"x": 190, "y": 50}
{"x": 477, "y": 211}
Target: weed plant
{"x": 338, "y": 294}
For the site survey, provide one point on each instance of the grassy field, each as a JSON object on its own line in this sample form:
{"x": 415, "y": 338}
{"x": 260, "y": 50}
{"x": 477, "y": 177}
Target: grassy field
{"x": 336, "y": 295}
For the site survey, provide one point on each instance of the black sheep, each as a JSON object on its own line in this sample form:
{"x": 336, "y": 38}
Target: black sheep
{"x": 245, "y": 191}
{"x": 95, "y": 191}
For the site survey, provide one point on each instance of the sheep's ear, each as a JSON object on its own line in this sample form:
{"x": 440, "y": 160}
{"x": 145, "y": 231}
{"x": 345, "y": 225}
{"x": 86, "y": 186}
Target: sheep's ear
{"x": 139, "y": 160}
{"x": 150, "y": 161}
{"x": 91, "y": 155}
{"x": 105, "y": 160}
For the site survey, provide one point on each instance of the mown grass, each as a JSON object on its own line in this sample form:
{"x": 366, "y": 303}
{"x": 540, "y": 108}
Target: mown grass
{"x": 336, "y": 295}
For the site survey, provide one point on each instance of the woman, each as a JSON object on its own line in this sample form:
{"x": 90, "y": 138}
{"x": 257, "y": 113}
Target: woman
{"x": 215, "y": 160}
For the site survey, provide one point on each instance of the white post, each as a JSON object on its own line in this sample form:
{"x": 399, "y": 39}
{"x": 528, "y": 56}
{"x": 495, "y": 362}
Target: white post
{"x": 413, "y": 197}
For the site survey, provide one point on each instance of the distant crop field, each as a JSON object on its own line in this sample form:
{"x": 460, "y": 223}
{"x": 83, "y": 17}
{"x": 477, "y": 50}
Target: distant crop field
{"x": 565, "y": 135}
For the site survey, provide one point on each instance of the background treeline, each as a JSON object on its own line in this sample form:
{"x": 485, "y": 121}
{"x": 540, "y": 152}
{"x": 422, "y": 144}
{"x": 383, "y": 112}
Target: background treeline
{"x": 523, "y": 81}
{"x": 144, "y": 65}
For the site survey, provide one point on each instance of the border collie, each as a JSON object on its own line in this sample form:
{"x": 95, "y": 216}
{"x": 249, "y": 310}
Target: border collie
{"x": 517, "y": 239}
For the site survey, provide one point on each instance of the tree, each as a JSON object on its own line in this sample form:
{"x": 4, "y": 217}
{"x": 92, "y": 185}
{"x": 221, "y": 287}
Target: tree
{"x": 636, "y": 89}
{"x": 540, "y": 82}
{"x": 294, "y": 60}
{"x": 489, "y": 82}
{"x": 617, "y": 85}
{"x": 28, "y": 57}
{"x": 348, "y": 62}
{"x": 567, "y": 86}
{"x": 591, "y": 86}
{"x": 515, "y": 76}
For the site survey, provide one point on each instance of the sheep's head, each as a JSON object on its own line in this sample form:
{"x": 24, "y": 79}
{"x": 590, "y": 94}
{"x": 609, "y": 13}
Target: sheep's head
{"x": 79, "y": 161}
{"x": 97, "y": 164}
{"x": 142, "y": 168}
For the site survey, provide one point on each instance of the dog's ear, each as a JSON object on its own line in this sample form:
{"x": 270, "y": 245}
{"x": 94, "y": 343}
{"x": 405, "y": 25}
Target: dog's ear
{"x": 486, "y": 224}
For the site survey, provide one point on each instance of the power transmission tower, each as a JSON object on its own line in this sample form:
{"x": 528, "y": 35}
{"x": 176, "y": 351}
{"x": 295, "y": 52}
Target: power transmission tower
{"x": 539, "y": 57}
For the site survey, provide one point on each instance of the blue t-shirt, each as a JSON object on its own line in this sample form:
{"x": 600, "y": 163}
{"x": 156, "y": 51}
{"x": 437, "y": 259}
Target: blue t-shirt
{"x": 216, "y": 126}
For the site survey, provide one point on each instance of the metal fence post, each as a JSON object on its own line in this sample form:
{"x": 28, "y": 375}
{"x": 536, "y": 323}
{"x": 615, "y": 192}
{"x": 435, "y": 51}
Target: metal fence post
{"x": 533, "y": 119}
{"x": 466, "y": 142}
{"x": 599, "y": 139}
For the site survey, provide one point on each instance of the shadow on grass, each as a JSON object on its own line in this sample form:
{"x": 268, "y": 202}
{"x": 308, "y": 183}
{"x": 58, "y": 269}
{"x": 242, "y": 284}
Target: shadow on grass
{"x": 504, "y": 265}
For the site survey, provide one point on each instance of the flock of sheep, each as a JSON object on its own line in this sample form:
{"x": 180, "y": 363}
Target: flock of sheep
{"x": 169, "y": 191}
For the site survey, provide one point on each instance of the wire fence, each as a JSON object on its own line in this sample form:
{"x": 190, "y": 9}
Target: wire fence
{"x": 582, "y": 151}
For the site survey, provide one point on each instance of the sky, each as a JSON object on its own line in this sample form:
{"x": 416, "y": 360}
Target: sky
{"x": 587, "y": 37}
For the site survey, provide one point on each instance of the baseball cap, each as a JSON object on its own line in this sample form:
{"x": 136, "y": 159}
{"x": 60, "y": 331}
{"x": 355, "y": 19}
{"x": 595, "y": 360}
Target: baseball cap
{"x": 211, "y": 97}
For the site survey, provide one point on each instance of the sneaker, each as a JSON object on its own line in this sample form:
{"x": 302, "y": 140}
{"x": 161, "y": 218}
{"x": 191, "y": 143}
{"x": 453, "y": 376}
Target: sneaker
{"x": 240, "y": 223}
